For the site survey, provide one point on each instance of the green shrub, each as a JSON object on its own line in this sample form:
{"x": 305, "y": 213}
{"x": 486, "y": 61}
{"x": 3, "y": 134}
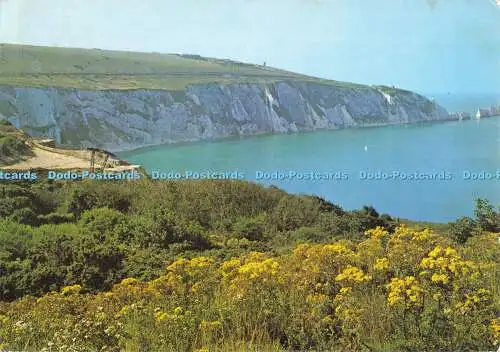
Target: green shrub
{"x": 88, "y": 195}
{"x": 309, "y": 235}
{"x": 462, "y": 229}
{"x": 487, "y": 218}
{"x": 25, "y": 216}
{"x": 252, "y": 229}
{"x": 12, "y": 147}
{"x": 293, "y": 212}
{"x": 56, "y": 218}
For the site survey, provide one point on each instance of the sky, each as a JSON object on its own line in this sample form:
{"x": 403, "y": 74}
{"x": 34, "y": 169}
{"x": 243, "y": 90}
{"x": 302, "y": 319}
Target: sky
{"x": 437, "y": 46}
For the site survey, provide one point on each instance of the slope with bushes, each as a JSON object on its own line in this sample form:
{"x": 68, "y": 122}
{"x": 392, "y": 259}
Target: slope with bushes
{"x": 235, "y": 266}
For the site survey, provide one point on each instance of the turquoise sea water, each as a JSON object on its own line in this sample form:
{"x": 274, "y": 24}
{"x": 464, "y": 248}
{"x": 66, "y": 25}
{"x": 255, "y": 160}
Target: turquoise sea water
{"x": 451, "y": 148}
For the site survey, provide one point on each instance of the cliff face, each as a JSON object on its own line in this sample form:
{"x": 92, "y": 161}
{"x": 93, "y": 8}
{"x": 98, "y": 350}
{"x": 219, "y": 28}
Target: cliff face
{"x": 123, "y": 120}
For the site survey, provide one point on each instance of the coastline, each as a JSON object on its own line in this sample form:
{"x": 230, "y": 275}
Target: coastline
{"x": 268, "y": 134}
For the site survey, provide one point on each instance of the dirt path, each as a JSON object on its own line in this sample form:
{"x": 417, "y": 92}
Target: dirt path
{"x": 48, "y": 160}
{"x": 44, "y": 159}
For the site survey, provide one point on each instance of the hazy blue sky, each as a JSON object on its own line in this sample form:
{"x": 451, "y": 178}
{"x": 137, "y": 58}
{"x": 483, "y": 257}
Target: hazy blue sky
{"x": 425, "y": 45}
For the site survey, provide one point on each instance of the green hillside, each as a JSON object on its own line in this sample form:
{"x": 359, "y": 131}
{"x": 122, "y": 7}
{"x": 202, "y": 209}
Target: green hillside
{"x": 35, "y": 66}
{"x": 12, "y": 144}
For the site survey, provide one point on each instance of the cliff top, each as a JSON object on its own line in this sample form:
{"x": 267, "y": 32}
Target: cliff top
{"x": 96, "y": 69}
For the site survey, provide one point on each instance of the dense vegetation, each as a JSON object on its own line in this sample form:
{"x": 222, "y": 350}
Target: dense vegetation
{"x": 95, "y": 234}
{"x": 184, "y": 265}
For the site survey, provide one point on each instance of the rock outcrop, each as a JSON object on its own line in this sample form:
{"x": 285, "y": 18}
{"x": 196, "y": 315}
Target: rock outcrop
{"x": 124, "y": 120}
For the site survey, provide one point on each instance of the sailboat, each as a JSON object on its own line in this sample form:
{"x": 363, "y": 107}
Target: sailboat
{"x": 478, "y": 114}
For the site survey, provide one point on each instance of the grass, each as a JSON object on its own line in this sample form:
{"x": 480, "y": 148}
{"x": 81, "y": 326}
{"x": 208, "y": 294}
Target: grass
{"x": 391, "y": 90}
{"x": 440, "y": 228}
{"x": 95, "y": 69}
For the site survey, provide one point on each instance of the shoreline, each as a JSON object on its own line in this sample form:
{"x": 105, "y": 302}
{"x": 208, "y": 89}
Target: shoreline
{"x": 267, "y": 134}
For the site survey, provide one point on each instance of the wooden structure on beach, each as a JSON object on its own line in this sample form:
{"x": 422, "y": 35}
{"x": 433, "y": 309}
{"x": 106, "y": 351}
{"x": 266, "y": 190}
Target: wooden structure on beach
{"x": 103, "y": 154}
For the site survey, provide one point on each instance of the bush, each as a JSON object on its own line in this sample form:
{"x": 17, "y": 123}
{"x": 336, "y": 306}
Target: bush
{"x": 56, "y": 218}
{"x": 86, "y": 196}
{"x": 293, "y": 212}
{"x": 252, "y": 229}
{"x": 462, "y": 229}
{"x": 309, "y": 235}
{"x": 10, "y": 205}
{"x": 25, "y": 216}
{"x": 486, "y": 217}
{"x": 12, "y": 147}
{"x": 328, "y": 207}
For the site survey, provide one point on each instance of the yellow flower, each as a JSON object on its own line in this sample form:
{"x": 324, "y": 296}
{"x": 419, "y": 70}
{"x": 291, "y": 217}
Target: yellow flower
{"x": 195, "y": 287}
{"x": 422, "y": 235}
{"x": 345, "y": 290}
{"x": 129, "y": 281}
{"x": 201, "y": 262}
{"x": 495, "y": 329}
{"x": 428, "y": 263}
{"x": 210, "y": 325}
{"x": 437, "y": 296}
{"x": 336, "y": 248}
{"x": 159, "y": 316}
{"x": 409, "y": 280}
{"x": 352, "y": 273}
{"x": 124, "y": 310}
{"x": 435, "y": 252}
{"x": 256, "y": 270}
{"x": 450, "y": 252}
{"x": 440, "y": 278}
{"x": 327, "y": 320}
{"x": 230, "y": 265}
{"x": 69, "y": 290}
{"x": 381, "y": 264}
{"x": 405, "y": 291}
{"x": 377, "y": 233}
{"x": 316, "y": 299}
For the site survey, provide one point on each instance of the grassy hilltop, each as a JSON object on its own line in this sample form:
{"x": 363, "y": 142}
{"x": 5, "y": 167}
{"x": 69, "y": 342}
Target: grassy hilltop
{"x": 95, "y": 69}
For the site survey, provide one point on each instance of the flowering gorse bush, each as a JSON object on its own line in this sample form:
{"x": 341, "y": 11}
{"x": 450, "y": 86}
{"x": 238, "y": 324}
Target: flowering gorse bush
{"x": 406, "y": 290}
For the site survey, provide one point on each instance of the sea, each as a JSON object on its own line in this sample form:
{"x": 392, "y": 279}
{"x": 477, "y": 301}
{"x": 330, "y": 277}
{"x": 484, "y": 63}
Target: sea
{"x": 424, "y": 172}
